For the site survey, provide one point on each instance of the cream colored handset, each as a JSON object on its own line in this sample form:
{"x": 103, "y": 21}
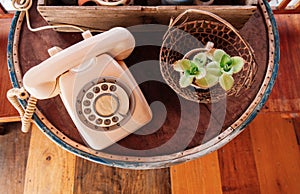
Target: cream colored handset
{"x": 99, "y": 93}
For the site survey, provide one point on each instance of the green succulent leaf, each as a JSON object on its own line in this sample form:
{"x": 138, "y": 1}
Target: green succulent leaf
{"x": 208, "y": 81}
{"x": 213, "y": 68}
{"x": 185, "y": 80}
{"x": 226, "y": 81}
{"x": 226, "y": 63}
{"x": 200, "y": 59}
{"x": 218, "y": 54}
{"x": 201, "y": 73}
{"x": 237, "y": 64}
{"x": 229, "y": 72}
{"x": 193, "y": 69}
{"x": 213, "y": 64}
{"x": 177, "y": 66}
{"x": 183, "y": 64}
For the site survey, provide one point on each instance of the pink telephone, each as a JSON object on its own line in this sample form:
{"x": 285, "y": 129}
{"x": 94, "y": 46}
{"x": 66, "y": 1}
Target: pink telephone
{"x": 100, "y": 94}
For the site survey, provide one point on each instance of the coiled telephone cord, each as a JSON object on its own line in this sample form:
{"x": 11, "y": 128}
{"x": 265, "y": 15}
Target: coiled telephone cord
{"x": 26, "y": 116}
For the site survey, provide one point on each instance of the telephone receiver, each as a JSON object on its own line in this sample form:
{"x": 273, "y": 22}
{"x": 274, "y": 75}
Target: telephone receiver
{"x": 95, "y": 85}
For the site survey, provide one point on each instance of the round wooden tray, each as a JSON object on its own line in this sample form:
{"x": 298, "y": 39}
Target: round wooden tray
{"x": 180, "y": 130}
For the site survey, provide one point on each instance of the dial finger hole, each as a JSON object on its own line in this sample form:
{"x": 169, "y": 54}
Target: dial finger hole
{"x": 90, "y": 95}
{"x": 113, "y": 88}
{"x": 87, "y": 111}
{"x": 96, "y": 90}
{"x": 115, "y": 119}
{"x": 92, "y": 117}
{"x": 107, "y": 121}
{"x": 86, "y": 103}
{"x": 104, "y": 87}
{"x": 99, "y": 121}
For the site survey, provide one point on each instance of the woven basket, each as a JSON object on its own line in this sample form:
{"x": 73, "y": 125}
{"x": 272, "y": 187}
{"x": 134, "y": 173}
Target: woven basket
{"x": 194, "y": 31}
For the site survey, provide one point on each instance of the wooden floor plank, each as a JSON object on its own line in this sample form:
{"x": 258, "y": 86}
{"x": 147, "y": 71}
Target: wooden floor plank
{"x": 145, "y": 181}
{"x": 9, "y": 119}
{"x": 198, "y": 176}
{"x": 50, "y": 169}
{"x": 13, "y": 157}
{"x": 238, "y": 167}
{"x": 6, "y": 109}
{"x": 276, "y": 154}
{"x": 97, "y": 178}
{"x": 296, "y": 123}
{"x": 285, "y": 96}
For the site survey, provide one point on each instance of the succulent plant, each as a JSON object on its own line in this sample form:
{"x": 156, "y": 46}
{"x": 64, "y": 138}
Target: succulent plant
{"x": 206, "y": 69}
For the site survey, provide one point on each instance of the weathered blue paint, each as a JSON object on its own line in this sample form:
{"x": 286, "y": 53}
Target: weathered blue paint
{"x": 10, "y": 62}
{"x": 157, "y": 164}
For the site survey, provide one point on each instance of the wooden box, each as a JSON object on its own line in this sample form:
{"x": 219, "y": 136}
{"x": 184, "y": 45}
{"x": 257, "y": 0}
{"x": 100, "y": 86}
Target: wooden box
{"x": 99, "y": 18}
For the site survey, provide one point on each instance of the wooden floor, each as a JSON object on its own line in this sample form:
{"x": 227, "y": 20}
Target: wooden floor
{"x": 264, "y": 158}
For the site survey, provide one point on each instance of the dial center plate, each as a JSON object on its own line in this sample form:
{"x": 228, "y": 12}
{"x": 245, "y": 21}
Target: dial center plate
{"x": 106, "y": 105}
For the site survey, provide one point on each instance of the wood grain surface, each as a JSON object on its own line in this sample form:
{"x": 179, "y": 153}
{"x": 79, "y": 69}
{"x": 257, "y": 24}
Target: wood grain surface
{"x": 235, "y": 159}
{"x": 96, "y": 178}
{"x": 103, "y": 18}
{"x": 53, "y": 171}
{"x": 197, "y": 176}
{"x": 286, "y": 96}
{"x": 7, "y": 111}
{"x": 275, "y": 146}
{"x": 264, "y": 158}
{"x": 14, "y": 148}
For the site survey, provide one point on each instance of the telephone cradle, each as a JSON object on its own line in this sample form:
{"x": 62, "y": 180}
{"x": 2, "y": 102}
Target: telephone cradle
{"x": 99, "y": 92}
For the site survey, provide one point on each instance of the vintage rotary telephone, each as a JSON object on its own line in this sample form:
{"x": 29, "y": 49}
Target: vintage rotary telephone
{"x": 99, "y": 93}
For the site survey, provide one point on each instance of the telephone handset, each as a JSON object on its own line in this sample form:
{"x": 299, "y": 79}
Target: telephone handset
{"x": 99, "y": 93}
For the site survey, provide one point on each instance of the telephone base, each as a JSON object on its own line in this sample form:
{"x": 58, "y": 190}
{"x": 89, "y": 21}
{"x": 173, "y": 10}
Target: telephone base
{"x": 106, "y": 103}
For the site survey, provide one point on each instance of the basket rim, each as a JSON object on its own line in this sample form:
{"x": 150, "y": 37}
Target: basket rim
{"x": 249, "y": 52}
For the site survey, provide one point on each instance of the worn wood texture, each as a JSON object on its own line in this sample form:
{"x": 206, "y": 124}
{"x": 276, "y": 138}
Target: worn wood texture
{"x": 103, "y": 17}
{"x": 2, "y": 9}
{"x": 4, "y": 13}
{"x": 49, "y": 169}
{"x": 276, "y": 153}
{"x": 285, "y": 96}
{"x": 198, "y": 176}
{"x": 283, "y": 4}
{"x": 238, "y": 166}
{"x": 296, "y": 122}
{"x": 7, "y": 111}
{"x": 297, "y": 6}
{"x": 265, "y": 158}
{"x": 14, "y": 147}
{"x": 95, "y": 178}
